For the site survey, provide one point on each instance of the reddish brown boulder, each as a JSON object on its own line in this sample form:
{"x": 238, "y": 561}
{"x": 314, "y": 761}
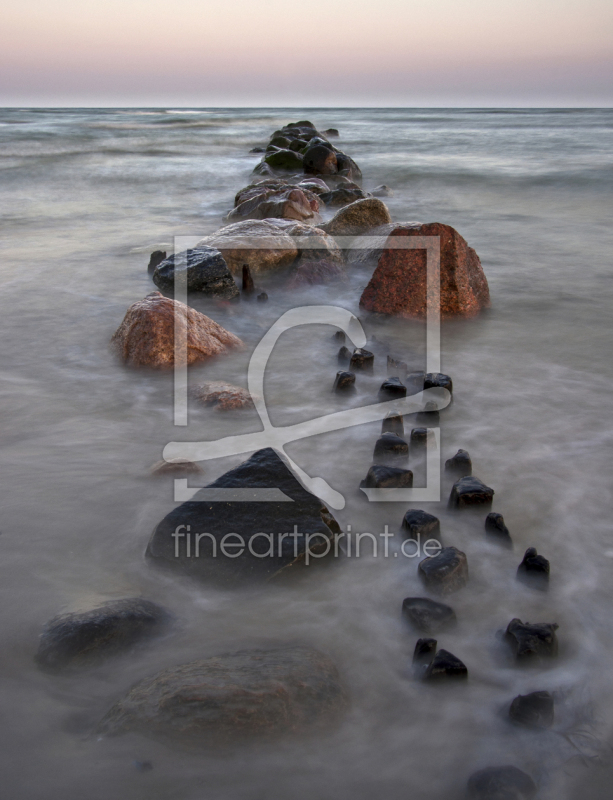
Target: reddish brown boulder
{"x": 398, "y": 284}
{"x": 146, "y": 336}
{"x": 222, "y": 396}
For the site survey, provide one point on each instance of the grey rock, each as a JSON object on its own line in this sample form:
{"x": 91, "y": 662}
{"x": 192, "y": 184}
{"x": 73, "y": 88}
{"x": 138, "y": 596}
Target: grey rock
{"x": 460, "y": 465}
{"x": 202, "y": 269}
{"x": 497, "y": 530}
{"x": 362, "y": 360}
{"x": 344, "y": 381}
{"x": 427, "y": 615}
{"x": 390, "y": 446}
{"x": 534, "y": 569}
{"x": 470, "y": 491}
{"x": 446, "y": 572}
{"x": 446, "y": 666}
{"x": 384, "y": 477}
{"x": 391, "y": 389}
{"x": 419, "y": 523}
{"x": 532, "y": 641}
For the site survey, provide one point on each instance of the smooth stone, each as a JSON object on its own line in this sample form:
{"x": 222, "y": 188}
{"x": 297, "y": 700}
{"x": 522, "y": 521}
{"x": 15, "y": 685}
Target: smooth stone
{"x": 344, "y": 355}
{"x": 419, "y": 523}
{"x": 500, "y": 783}
{"x": 287, "y": 160}
{"x": 419, "y": 438}
{"x": 470, "y": 491}
{"x": 358, "y": 218}
{"x": 282, "y": 142}
{"x": 425, "y": 650}
{"x": 382, "y": 191}
{"x": 534, "y": 569}
{"x": 202, "y": 269}
{"x": 427, "y": 615}
{"x": 393, "y": 423}
{"x": 251, "y": 695}
{"x": 339, "y": 336}
{"x": 222, "y": 396}
{"x": 331, "y": 132}
{"x": 459, "y": 465}
{"x": 263, "y": 244}
{"x": 156, "y": 258}
{"x": 445, "y": 666}
{"x": 391, "y": 389}
{"x": 319, "y": 159}
{"x": 383, "y": 477}
{"x": 446, "y": 572}
{"x": 362, "y": 360}
{"x": 536, "y": 710}
{"x": 343, "y": 196}
{"x": 344, "y": 381}
{"x": 390, "y": 446}
{"x": 347, "y": 167}
{"x": 438, "y": 380}
{"x": 531, "y": 642}
{"x": 86, "y": 638}
{"x": 497, "y": 530}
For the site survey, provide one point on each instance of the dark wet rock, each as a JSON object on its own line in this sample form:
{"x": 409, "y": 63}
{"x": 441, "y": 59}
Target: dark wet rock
{"x": 282, "y": 142}
{"x": 88, "y": 637}
{"x": 438, "y": 380}
{"x": 384, "y": 477}
{"x": 500, "y": 783}
{"x": 536, "y": 710}
{"x": 419, "y": 523}
{"x": 258, "y": 150}
{"x": 427, "y": 615}
{"x": 534, "y": 569}
{"x": 248, "y": 284}
{"x": 358, "y": 217}
{"x": 398, "y": 285}
{"x": 343, "y": 196}
{"x": 203, "y": 269}
{"x": 390, "y": 446}
{"x": 382, "y": 191}
{"x": 497, "y": 530}
{"x": 470, "y": 491}
{"x": 362, "y": 360}
{"x": 393, "y": 423}
{"x": 222, "y": 396}
{"x": 238, "y": 565}
{"x": 262, "y": 298}
{"x": 445, "y": 666}
{"x": 424, "y": 652}
{"x": 317, "y": 273}
{"x": 531, "y": 642}
{"x": 446, "y": 572}
{"x": 460, "y": 465}
{"x": 391, "y": 389}
{"x": 287, "y": 160}
{"x": 345, "y": 381}
{"x": 344, "y": 355}
{"x": 156, "y": 258}
{"x": 415, "y": 382}
{"x": 331, "y": 132}
{"x": 339, "y": 336}
{"x": 249, "y": 695}
{"x": 298, "y": 145}
{"x": 396, "y": 366}
{"x": 347, "y": 167}
{"x": 419, "y": 439}
{"x": 264, "y": 169}
{"x": 178, "y": 467}
{"x": 286, "y": 202}
{"x": 319, "y": 159}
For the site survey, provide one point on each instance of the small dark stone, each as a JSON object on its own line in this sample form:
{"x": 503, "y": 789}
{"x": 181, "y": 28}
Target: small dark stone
{"x": 470, "y": 491}
{"x": 203, "y": 269}
{"x": 534, "y": 569}
{"x": 420, "y": 523}
{"x": 446, "y": 665}
{"x": 534, "y": 710}
{"x": 391, "y": 389}
{"x": 331, "y": 132}
{"x": 362, "y": 360}
{"x": 415, "y": 382}
{"x": 446, "y": 572}
{"x": 248, "y": 284}
{"x": 397, "y": 367}
{"x": 390, "y": 446}
{"x": 424, "y": 652}
{"x": 382, "y": 477}
{"x": 393, "y": 423}
{"x": 156, "y": 258}
{"x": 459, "y": 465}
{"x": 500, "y": 783}
{"x": 262, "y": 298}
{"x": 345, "y": 381}
{"x": 427, "y": 615}
{"x": 496, "y": 529}
{"x": 531, "y": 642}
{"x": 437, "y": 379}
{"x": 344, "y": 355}
{"x": 419, "y": 439}
{"x": 339, "y": 336}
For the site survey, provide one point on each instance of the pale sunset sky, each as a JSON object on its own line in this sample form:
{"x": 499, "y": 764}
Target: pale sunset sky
{"x": 317, "y": 53}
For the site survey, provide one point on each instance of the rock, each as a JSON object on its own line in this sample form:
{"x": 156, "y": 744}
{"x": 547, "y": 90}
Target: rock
{"x": 257, "y": 150}
{"x": 314, "y": 273}
{"x": 534, "y": 569}
{"x": 177, "y": 467}
{"x": 262, "y": 244}
{"x": 419, "y": 439}
{"x": 298, "y": 145}
{"x": 389, "y": 446}
{"x": 391, "y": 389}
{"x": 382, "y": 477}
{"x": 146, "y": 336}
{"x": 156, "y": 258}
{"x": 362, "y": 360}
{"x": 424, "y": 652}
{"x": 225, "y": 561}
{"x": 286, "y": 160}
{"x": 420, "y": 524}
{"x": 446, "y": 572}
{"x": 249, "y": 695}
{"x": 312, "y": 243}
{"x": 532, "y": 642}
{"x": 398, "y": 284}
{"x": 222, "y": 396}
{"x": 357, "y": 218}
{"x": 470, "y": 491}
{"x": 316, "y": 185}
{"x": 427, "y": 615}
{"x": 339, "y": 336}
{"x": 88, "y": 637}
{"x": 282, "y": 142}
{"x": 203, "y": 269}
{"x": 248, "y": 284}
{"x": 344, "y": 355}
{"x": 438, "y": 380}
{"x": 536, "y": 710}
{"x": 331, "y": 132}
{"x": 288, "y": 202}
{"x": 262, "y": 298}
{"x": 496, "y": 529}
{"x": 343, "y": 196}
{"x": 319, "y": 159}
{"x": 445, "y": 665}
{"x": 397, "y": 367}
{"x": 459, "y": 465}
{"x": 500, "y": 783}
{"x": 393, "y": 423}
{"x": 347, "y": 167}
{"x": 382, "y": 191}
{"x": 345, "y": 381}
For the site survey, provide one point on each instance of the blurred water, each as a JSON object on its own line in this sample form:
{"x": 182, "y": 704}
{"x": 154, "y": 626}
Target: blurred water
{"x": 85, "y": 195}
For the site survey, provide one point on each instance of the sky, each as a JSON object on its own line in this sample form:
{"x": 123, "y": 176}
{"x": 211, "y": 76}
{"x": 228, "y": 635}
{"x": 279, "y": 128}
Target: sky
{"x": 352, "y": 53}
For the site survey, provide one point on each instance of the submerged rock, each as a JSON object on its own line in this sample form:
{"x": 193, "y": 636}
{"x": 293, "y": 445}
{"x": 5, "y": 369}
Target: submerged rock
{"x": 446, "y": 572}
{"x": 497, "y": 530}
{"x": 344, "y": 381}
{"x": 202, "y": 269}
{"x": 445, "y": 666}
{"x": 534, "y": 569}
{"x": 232, "y": 550}
{"x": 146, "y": 336}
{"x": 344, "y": 355}
{"x": 383, "y": 477}
{"x": 343, "y": 196}
{"x": 460, "y": 465}
{"x": 470, "y": 491}
{"x": 390, "y": 446}
{"x": 393, "y": 423}
{"x": 262, "y": 298}
{"x": 427, "y": 615}
{"x": 362, "y": 360}
{"x": 222, "y": 396}
{"x": 156, "y": 258}
{"x": 382, "y": 191}
{"x": 424, "y": 652}
{"x": 249, "y": 695}
{"x": 419, "y": 439}
{"x": 500, "y": 783}
{"x": 396, "y": 366}
{"x": 419, "y": 523}
{"x": 532, "y": 641}
{"x": 88, "y": 637}
{"x": 398, "y": 285}
{"x": 536, "y": 710}
{"x": 358, "y": 217}
{"x": 391, "y": 389}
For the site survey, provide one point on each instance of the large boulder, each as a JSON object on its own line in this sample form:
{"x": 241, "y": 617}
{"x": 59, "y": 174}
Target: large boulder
{"x": 261, "y": 244}
{"x": 357, "y": 218}
{"x": 245, "y": 542}
{"x": 146, "y": 337}
{"x": 399, "y": 283}
{"x": 289, "y": 202}
{"x": 88, "y": 637}
{"x": 237, "y": 697}
{"x": 200, "y": 270}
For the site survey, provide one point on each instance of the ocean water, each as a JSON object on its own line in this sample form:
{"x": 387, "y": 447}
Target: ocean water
{"x": 85, "y": 196}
